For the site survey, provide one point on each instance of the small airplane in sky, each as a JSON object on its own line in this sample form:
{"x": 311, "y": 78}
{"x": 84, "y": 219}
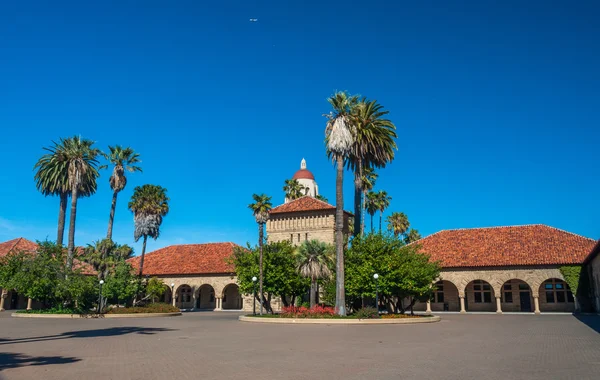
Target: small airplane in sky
{"x": 253, "y": 20}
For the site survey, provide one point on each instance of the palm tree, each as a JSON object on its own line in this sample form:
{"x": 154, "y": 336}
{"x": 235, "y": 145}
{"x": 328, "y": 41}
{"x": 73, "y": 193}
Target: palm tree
{"x": 373, "y": 147}
{"x": 412, "y": 236}
{"x": 123, "y": 159}
{"x": 260, "y": 209}
{"x": 149, "y": 205}
{"x": 368, "y": 182}
{"x": 80, "y": 158}
{"x": 398, "y": 223}
{"x": 293, "y": 189}
{"x": 383, "y": 202}
{"x": 322, "y": 198}
{"x": 52, "y": 178}
{"x": 339, "y": 137}
{"x": 372, "y": 206}
{"x": 314, "y": 260}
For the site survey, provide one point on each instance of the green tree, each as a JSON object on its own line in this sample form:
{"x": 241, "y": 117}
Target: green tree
{"x": 372, "y": 206}
{"x": 373, "y": 147}
{"x": 149, "y": 205}
{"x": 398, "y": 223}
{"x": 293, "y": 189}
{"x": 383, "y": 202}
{"x": 123, "y": 160}
{"x": 52, "y": 178}
{"x": 314, "y": 260}
{"x": 104, "y": 255}
{"x": 121, "y": 283}
{"x": 260, "y": 209}
{"x": 322, "y": 198}
{"x": 81, "y": 161}
{"x": 155, "y": 288}
{"x": 368, "y": 182}
{"x": 339, "y": 139}
{"x": 280, "y": 276}
{"x": 412, "y": 236}
{"x": 403, "y": 271}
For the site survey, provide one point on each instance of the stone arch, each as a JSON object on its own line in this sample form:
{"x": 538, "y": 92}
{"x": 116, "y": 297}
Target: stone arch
{"x": 206, "y": 297}
{"x": 480, "y": 295}
{"x": 167, "y": 296}
{"x": 555, "y": 296}
{"x": 517, "y": 296}
{"x": 232, "y": 299}
{"x": 183, "y": 297}
{"x": 445, "y": 296}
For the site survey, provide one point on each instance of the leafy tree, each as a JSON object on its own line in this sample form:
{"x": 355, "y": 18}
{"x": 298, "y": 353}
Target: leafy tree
{"x": 403, "y": 271}
{"x": 280, "y": 275}
{"x": 123, "y": 159}
{"x": 372, "y": 206}
{"x": 293, "y": 189}
{"x": 149, "y": 205}
{"x": 368, "y": 182}
{"x": 155, "y": 288}
{"x": 322, "y": 198}
{"x": 104, "y": 255}
{"x": 314, "y": 260}
{"x": 52, "y": 178}
{"x": 120, "y": 284}
{"x": 339, "y": 139}
{"x": 412, "y": 236}
{"x": 398, "y": 223}
{"x": 260, "y": 209}
{"x": 373, "y": 147}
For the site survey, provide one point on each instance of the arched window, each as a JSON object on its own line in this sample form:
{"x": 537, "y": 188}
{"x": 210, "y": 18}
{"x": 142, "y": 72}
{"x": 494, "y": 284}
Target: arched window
{"x": 438, "y": 292}
{"x": 557, "y": 291}
{"x": 482, "y": 291}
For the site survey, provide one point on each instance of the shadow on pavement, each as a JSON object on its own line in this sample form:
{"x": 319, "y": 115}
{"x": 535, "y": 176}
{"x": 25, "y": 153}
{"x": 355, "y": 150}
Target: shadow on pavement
{"x": 592, "y": 321}
{"x": 113, "y": 331}
{"x": 12, "y": 360}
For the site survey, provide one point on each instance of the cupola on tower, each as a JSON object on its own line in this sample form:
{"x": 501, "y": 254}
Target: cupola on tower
{"x": 307, "y": 180}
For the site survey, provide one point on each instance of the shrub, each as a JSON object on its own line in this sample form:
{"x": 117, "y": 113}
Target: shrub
{"x": 367, "y": 313}
{"x": 150, "y": 308}
{"x": 397, "y": 316}
{"x": 304, "y": 312}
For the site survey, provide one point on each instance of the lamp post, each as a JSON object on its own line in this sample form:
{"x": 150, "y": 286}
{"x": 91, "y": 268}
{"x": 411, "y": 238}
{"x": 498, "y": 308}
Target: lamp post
{"x": 376, "y": 276}
{"x": 100, "y": 297}
{"x": 254, "y": 298}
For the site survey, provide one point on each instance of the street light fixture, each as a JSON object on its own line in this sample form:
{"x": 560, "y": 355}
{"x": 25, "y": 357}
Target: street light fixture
{"x": 376, "y": 277}
{"x": 100, "y": 297}
{"x": 254, "y": 298}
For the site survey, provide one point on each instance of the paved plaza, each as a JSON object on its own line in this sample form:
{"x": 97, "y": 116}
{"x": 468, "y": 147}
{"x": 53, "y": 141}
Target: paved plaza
{"x": 214, "y": 345}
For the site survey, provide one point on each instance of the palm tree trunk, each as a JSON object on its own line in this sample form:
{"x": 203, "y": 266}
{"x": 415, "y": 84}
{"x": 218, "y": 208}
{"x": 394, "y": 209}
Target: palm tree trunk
{"x": 362, "y": 214}
{"x": 313, "y": 292}
{"x": 71, "y": 246}
{"x": 380, "y": 216}
{"x": 260, "y": 266}
{"x": 357, "y": 199}
{"x": 143, "y": 254}
{"x": 340, "y": 293}
{"x": 372, "y": 229}
{"x": 111, "y": 218}
{"x": 62, "y": 211}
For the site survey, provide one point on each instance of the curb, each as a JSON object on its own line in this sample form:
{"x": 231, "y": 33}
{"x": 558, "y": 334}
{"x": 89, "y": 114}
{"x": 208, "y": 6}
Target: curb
{"x": 332, "y": 321}
{"x": 94, "y": 316}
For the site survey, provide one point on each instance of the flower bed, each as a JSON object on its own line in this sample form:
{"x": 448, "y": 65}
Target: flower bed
{"x": 304, "y": 312}
{"x": 151, "y": 308}
{"x": 325, "y": 312}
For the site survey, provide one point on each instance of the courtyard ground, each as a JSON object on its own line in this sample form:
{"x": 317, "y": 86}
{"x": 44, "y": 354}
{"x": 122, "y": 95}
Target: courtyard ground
{"x": 214, "y": 345}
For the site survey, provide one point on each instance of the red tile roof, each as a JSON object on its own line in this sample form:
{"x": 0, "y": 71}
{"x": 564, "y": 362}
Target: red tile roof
{"x": 188, "y": 259}
{"x": 305, "y": 203}
{"x": 506, "y": 246}
{"x": 16, "y": 245}
{"x": 22, "y": 244}
{"x": 595, "y": 252}
{"x": 303, "y": 174}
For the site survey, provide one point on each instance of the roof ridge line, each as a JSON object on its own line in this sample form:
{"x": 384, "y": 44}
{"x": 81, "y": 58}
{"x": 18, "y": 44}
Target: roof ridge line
{"x": 17, "y": 240}
{"x": 569, "y": 232}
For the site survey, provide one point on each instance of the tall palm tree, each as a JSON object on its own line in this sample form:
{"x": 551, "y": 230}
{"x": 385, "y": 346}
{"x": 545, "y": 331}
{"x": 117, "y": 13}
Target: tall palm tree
{"x": 52, "y": 178}
{"x": 293, "y": 189}
{"x": 398, "y": 223}
{"x": 81, "y": 161}
{"x": 149, "y": 205}
{"x": 260, "y": 209}
{"x": 339, "y": 137}
{"x": 383, "y": 202}
{"x": 123, "y": 159}
{"x": 372, "y": 206}
{"x": 412, "y": 236}
{"x": 368, "y": 182}
{"x": 313, "y": 258}
{"x": 373, "y": 147}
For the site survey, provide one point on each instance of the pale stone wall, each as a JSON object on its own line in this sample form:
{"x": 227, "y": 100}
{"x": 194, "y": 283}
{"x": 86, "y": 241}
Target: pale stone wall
{"x": 300, "y": 226}
{"x": 594, "y": 268}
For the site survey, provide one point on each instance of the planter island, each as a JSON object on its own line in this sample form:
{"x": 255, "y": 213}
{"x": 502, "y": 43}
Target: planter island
{"x": 341, "y": 321}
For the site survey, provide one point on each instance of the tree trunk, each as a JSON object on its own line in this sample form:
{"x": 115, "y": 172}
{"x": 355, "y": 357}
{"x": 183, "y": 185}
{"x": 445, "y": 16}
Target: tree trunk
{"x": 340, "y": 292}
{"x": 357, "y": 199}
{"x": 62, "y": 212}
{"x": 313, "y": 291}
{"x": 143, "y": 254}
{"x": 71, "y": 247}
{"x": 372, "y": 229}
{"x": 260, "y": 266}
{"x": 363, "y": 212}
{"x": 111, "y": 218}
{"x": 380, "y": 216}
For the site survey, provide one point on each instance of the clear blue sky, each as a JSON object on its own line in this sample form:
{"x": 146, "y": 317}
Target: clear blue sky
{"x": 497, "y": 107}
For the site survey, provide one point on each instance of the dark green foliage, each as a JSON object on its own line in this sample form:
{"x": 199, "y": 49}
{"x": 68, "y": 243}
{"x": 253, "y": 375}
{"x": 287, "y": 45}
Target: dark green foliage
{"x": 120, "y": 284}
{"x": 150, "y": 308}
{"x": 574, "y": 278}
{"x": 367, "y": 313}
